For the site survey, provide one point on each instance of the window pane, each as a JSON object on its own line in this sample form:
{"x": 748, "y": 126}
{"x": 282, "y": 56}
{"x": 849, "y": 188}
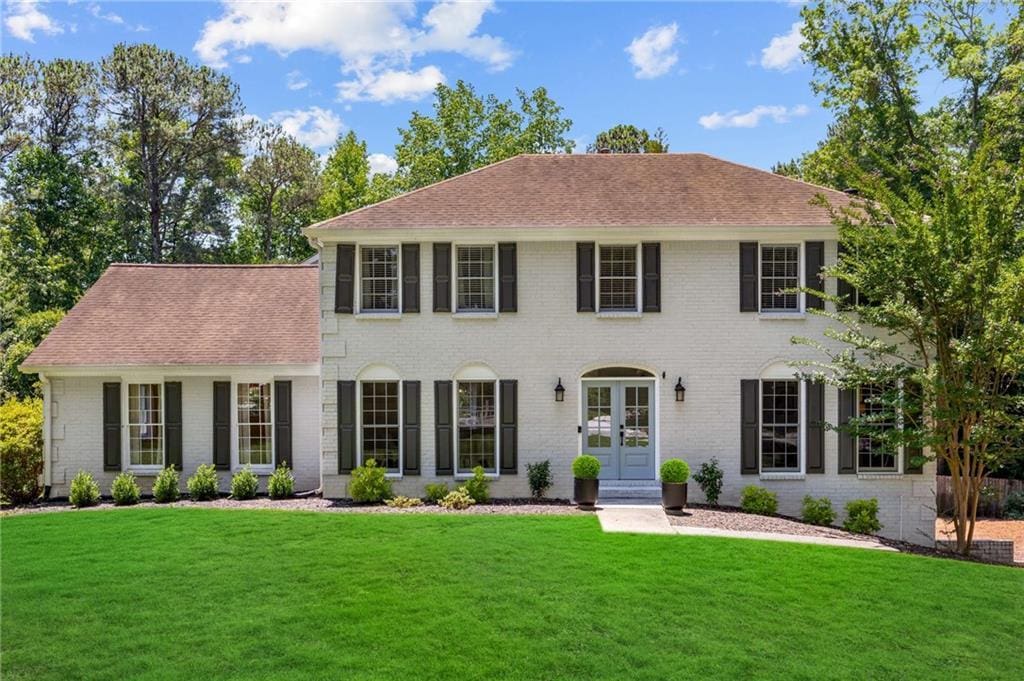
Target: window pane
{"x": 618, "y": 278}
{"x": 872, "y": 453}
{"x": 637, "y": 412}
{"x": 380, "y": 424}
{"x": 145, "y": 424}
{"x": 475, "y": 275}
{"x": 599, "y": 417}
{"x": 780, "y": 270}
{"x": 476, "y": 418}
{"x": 780, "y": 425}
{"x": 379, "y": 278}
{"x": 255, "y": 426}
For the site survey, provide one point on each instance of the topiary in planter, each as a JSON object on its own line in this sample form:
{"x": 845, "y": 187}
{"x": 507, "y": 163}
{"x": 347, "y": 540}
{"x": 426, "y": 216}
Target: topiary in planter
{"x": 586, "y": 467}
{"x": 125, "y": 490}
{"x": 585, "y": 485}
{"x": 167, "y": 486}
{"x": 674, "y": 474}
{"x": 675, "y": 471}
{"x": 84, "y": 490}
{"x": 203, "y": 486}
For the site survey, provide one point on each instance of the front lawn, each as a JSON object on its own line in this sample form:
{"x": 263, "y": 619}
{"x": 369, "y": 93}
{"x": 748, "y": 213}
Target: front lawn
{"x": 200, "y": 593}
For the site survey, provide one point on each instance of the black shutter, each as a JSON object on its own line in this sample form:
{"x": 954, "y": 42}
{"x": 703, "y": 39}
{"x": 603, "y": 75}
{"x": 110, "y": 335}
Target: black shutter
{"x": 585, "y": 279}
{"x": 815, "y": 427}
{"x": 410, "y": 277}
{"x": 509, "y": 435}
{"x": 411, "y": 427}
{"x": 847, "y": 440}
{"x": 652, "y": 276}
{"x": 912, "y": 461}
{"x": 111, "y": 426}
{"x": 346, "y": 426}
{"x": 442, "y": 277}
{"x": 814, "y": 254}
{"x": 345, "y": 279}
{"x": 748, "y": 276}
{"x": 222, "y": 425}
{"x": 844, "y": 291}
{"x": 507, "y": 297}
{"x": 172, "y": 424}
{"x": 443, "y": 428}
{"x": 749, "y": 403}
{"x": 283, "y": 424}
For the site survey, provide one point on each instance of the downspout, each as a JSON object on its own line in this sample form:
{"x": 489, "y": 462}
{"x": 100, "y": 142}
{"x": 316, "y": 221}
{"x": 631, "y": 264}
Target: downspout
{"x": 47, "y": 435}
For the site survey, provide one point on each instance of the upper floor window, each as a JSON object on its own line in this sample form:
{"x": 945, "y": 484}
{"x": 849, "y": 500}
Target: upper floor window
{"x": 617, "y": 273}
{"x": 378, "y": 282}
{"x": 872, "y": 452}
{"x": 780, "y": 426}
{"x": 380, "y": 424}
{"x": 255, "y": 425}
{"x": 780, "y": 276}
{"x": 145, "y": 424}
{"x": 474, "y": 274}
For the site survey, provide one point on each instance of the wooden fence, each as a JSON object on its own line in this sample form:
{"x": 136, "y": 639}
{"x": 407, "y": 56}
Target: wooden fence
{"x": 991, "y": 504}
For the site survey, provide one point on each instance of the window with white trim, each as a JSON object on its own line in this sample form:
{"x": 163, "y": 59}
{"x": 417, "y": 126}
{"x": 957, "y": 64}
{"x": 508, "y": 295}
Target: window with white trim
{"x": 474, "y": 279}
{"x": 617, "y": 274}
{"x": 780, "y": 426}
{"x": 476, "y": 440}
{"x": 378, "y": 278}
{"x": 780, "y": 275}
{"x": 255, "y": 425}
{"x": 145, "y": 424}
{"x": 873, "y": 454}
{"x": 380, "y": 424}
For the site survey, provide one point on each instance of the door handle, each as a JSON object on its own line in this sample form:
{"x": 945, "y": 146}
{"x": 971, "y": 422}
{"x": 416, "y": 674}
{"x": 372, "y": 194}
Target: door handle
{"x": 622, "y": 435}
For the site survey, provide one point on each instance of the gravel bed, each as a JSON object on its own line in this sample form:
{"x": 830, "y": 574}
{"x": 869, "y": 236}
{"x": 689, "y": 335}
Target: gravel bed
{"x": 734, "y": 519}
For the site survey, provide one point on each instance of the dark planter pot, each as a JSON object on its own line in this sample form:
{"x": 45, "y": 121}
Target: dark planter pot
{"x": 673, "y": 496}
{"x": 584, "y": 492}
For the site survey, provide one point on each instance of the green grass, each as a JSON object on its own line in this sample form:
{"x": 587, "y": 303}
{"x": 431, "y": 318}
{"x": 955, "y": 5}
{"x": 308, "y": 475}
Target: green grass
{"x": 183, "y": 593}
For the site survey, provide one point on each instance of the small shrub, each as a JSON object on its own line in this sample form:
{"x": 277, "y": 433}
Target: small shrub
{"x": 1013, "y": 506}
{"x": 21, "y": 450}
{"x": 479, "y": 486}
{"x": 84, "y": 490}
{"x": 675, "y": 471}
{"x": 125, "y": 490}
{"x": 586, "y": 467}
{"x": 436, "y": 491}
{"x": 539, "y": 476}
{"x": 754, "y": 499}
{"x": 167, "y": 486}
{"x": 818, "y": 511}
{"x": 369, "y": 483}
{"x": 459, "y": 500}
{"x": 281, "y": 483}
{"x": 403, "y": 502}
{"x": 244, "y": 484}
{"x": 862, "y": 516}
{"x": 709, "y": 477}
{"x": 203, "y": 486}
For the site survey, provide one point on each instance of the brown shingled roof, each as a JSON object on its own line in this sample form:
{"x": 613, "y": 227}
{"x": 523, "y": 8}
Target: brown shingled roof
{"x": 601, "y": 190}
{"x": 190, "y": 315}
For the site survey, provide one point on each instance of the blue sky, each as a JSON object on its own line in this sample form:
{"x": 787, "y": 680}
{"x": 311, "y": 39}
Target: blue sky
{"x": 723, "y": 78}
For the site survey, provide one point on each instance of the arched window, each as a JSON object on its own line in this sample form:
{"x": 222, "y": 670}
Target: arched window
{"x": 380, "y": 417}
{"x": 476, "y": 437}
{"x": 781, "y": 411}
{"x": 618, "y": 372}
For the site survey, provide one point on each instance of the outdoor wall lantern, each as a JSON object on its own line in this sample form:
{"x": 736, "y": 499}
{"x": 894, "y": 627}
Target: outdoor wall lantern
{"x": 680, "y": 390}
{"x": 559, "y": 391}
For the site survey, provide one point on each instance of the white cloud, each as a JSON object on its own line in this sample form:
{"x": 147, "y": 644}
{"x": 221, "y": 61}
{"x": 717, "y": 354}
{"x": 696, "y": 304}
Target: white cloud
{"x": 24, "y": 18}
{"x": 314, "y": 127}
{"x": 296, "y": 81}
{"x": 113, "y": 18}
{"x": 783, "y": 52}
{"x": 382, "y": 163}
{"x": 652, "y": 53}
{"x": 243, "y": 59}
{"x": 751, "y": 119}
{"x": 390, "y": 85}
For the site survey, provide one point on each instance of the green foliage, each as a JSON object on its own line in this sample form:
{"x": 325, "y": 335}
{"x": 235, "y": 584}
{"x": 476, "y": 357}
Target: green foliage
{"x": 244, "y": 484}
{"x": 84, "y": 490}
{"x": 167, "y": 486}
{"x": 369, "y": 483}
{"x": 818, "y": 511}
{"x": 436, "y": 491}
{"x": 204, "y": 484}
{"x": 754, "y": 499}
{"x": 281, "y": 483}
{"x": 458, "y": 500}
{"x": 403, "y": 502}
{"x": 709, "y": 477}
{"x": 538, "y": 475}
{"x": 16, "y": 343}
{"x": 346, "y": 177}
{"x": 125, "y": 490}
{"x": 478, "y": 486}
{"x": 1013, "y": 505}
{"x": 21, "y": 450}
{"x": 862, "y": 516}
{"x": 586, "y": 467}
{"x": 675, "y": 470}
{"x": 629, "y": 139}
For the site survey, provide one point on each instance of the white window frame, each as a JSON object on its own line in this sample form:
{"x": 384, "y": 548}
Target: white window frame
{"x": 126, "y": 419}
{"x": 801, "y": 469}
{"x": 236, "y": 464}
{"x": 476, "y": 373}
{"x": 359, "y": 282}
{"x": 638, "y": 307}
{"x": 800, "y": 298}
{"x": 495, "y": 278}
{"x": 371, "y": 377}
{"x": 899, "y": 458}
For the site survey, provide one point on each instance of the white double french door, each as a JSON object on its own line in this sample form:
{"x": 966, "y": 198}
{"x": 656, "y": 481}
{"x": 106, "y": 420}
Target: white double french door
{"x": 618, "y": 427}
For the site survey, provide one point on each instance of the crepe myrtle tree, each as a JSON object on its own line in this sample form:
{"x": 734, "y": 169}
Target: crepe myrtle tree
{"x": 930, "y": 311}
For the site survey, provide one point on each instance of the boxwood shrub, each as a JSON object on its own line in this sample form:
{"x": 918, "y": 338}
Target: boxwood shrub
{"x": 478, "y": 486}
{"x": 862, "y": 516}
{"x": 436, "y": 491}
{"x": 203, "y": 486}
{"x": 754, "y": 499}
{"x": 586, "y": 467}
{"x": 244, "y": 484}
{"x": 818, "y": 511}
{"x": 369, "y": 483}
{"x": 675, "y": 471}
{"x": 125, "y": 490}
{"x": 167, "y": 486}
{"x": 84, "y": 490}
{"x": 281, "y": 484}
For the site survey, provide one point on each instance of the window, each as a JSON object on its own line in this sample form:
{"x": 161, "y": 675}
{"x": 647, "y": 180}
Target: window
{"x": 378, "y": 284}
{"x": 872, "y": 453}
{"x": 476, "y": 420}
{"x": 475, "y": 279}
{"x": 255, "y": 425}
{"x": 380, "y": 435}
{"x": 618, "y": 278}
{"x": 145, "y": 424}
{"x": 780, "y": 426}
{"x": 780, "y": 270}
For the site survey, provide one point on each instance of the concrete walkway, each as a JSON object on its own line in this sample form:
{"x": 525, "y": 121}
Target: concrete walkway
{"x": 650, "y": 519}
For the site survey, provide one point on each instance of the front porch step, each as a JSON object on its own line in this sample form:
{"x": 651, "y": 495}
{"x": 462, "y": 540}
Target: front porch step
{"x": 625, "y": 489}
